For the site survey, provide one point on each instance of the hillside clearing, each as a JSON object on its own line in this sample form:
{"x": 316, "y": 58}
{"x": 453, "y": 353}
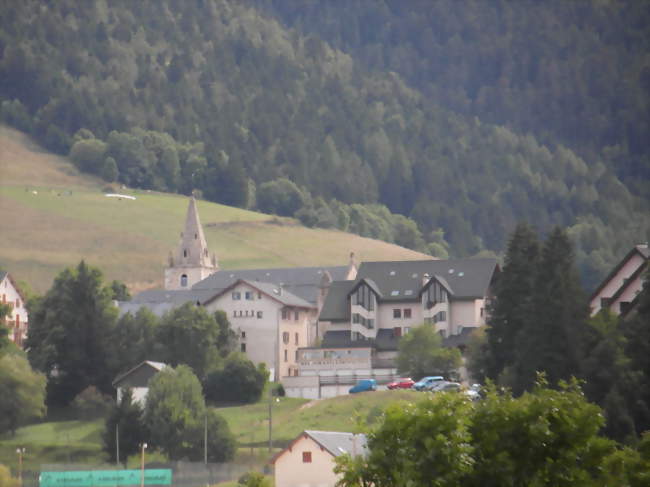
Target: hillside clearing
{"x": 59, "y": 216}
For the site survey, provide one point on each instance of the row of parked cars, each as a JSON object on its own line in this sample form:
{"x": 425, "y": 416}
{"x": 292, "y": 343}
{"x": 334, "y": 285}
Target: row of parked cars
{"x": 434, "y": 383}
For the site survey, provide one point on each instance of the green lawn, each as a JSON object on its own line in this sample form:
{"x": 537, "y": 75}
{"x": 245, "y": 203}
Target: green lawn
{"x": 80, "y": 441}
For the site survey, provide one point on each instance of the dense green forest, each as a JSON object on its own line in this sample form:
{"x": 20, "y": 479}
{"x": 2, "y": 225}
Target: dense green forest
{"x": 436, "y": 125}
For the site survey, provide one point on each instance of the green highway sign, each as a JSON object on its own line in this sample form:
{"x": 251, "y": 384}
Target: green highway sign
{"x": 105, "y": 478}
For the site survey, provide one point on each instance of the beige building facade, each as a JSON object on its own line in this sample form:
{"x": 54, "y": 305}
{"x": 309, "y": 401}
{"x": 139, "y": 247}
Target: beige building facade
{"x": 309, "y": 460}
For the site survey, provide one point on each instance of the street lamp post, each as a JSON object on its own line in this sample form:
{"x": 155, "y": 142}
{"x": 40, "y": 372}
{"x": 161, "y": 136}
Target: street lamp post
{"x": 144, "y": 447}
{"x": 21, "y": 452}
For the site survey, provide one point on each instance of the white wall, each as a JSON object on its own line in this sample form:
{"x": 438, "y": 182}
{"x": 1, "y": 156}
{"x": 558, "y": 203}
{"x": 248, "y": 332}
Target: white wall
{"x": 17, "y": 320}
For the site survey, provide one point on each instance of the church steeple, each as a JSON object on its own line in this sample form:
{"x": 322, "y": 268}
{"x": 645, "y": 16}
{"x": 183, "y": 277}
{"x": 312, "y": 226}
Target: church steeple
{"x": 191, "y": 261}
{"x": 193, "y": 249}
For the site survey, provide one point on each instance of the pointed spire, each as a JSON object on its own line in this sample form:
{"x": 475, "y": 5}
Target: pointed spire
{"x": 193, "y": 248}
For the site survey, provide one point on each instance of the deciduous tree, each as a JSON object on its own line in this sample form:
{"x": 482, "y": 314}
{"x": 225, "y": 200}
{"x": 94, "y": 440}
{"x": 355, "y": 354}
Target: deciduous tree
{"x": 421, "y": 353}
{"x": 70, "y": 334}
{"x": 22, "y": 393}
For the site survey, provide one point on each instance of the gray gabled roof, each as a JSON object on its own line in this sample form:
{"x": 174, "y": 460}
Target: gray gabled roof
{"x": 300, "y": 281}
{"x": 468, "y": 278}
{"x": 337, "y": 306}
{"x": 338, "y": 443}
{"x": 141, "y": 373}
{"x": 272, "y": 290}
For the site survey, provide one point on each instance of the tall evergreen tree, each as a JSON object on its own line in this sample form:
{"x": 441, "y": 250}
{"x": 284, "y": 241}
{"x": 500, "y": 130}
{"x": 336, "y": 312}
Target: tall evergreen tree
{"x": 511, "y": 306}
{"x": 636, "y": 330}
{"x": 125, "y": 422}
{"x": 550, "y": 340}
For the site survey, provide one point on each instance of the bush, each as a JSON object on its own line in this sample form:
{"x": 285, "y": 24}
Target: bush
{"x": 90, "y": 403}
{"x": 239, "y": 381}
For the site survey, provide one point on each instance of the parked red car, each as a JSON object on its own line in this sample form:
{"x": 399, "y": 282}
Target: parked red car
{"x": 405, "y": 383}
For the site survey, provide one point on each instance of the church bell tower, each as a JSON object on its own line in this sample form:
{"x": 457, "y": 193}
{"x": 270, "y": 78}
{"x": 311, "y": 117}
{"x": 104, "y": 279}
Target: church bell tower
{"x": 191, "y": 262}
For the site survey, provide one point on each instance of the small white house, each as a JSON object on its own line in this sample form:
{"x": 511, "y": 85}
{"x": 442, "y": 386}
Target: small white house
{"x": 17, "y": 319}
{"x": 137, "y": 379}
{"x": 309, "y": 460}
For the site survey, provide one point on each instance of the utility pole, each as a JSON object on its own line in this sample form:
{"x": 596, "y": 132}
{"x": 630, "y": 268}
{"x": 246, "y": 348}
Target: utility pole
{"x": 205, "y": 438}
{"x": 270, "y": 418}
{"x": 21, "y": 452}
{"x": 144, "y": 447}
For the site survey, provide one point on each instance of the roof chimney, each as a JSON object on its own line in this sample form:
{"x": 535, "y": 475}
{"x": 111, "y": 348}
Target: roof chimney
{"x": 425, "y": 279}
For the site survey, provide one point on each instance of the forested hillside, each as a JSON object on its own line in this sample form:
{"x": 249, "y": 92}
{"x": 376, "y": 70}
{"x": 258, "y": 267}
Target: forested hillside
{"x": 426, "y": 108}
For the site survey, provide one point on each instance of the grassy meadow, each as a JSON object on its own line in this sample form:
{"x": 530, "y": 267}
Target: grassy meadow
{"x": 55, "y": 216}
{"x": 79, "y": 442}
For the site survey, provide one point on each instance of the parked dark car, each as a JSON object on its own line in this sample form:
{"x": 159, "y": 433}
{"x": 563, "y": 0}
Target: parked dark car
{"x": 364, "y": 385}
{"x": 404, "y": 383}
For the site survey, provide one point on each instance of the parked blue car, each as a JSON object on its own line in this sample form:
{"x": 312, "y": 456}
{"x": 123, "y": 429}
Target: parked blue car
{"x": 427, "y": 381}
{"x": 364, "y": 385}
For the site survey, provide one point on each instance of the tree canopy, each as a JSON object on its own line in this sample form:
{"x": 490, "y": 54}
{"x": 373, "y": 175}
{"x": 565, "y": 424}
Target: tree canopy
{"x": 421, "y": 353}
{"x": 546, "y": 437}
{"x": 70, "y": 334}
{"x": 22, "y": 393}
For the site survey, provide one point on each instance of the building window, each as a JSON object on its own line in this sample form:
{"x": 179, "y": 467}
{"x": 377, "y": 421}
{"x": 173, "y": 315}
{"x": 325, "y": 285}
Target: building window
{"x": 236, "y": 295}
{"x": 286, "y": 356}
{"x": 306, "y": 457}
{"x": 397, "y": 313}
{"x": 243, "y": 335}
{"x": 296, "y": 339}
{"x": 482, "y": 312}
{"x": 259, "y": 295}
{"x": 259, "y": 314}
{"x": 407, "y": 329}
{"x": 407, "y": 312}
{"x": 370, "y": 323}
{"x": 356, "y": 318}
{"x": 296, "y": 315}
{"x": 285, "y": 337}
{"x": 184, "y": 253}
{"x": 184, "y": 280}
{"x": 285, "y": 314}
{"x": 17, "y": 303}
{"x": 296, "y": 359}
{"x": 249, "y": 295}
{"x": 243, "y": 347}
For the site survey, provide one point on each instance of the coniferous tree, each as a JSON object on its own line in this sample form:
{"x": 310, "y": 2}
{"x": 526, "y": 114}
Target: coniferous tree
{"x": 636, "y": 330}
{"x": 126, "y": 423}
{"x": 550, "y": 340}
{"x": 511, "y": 305}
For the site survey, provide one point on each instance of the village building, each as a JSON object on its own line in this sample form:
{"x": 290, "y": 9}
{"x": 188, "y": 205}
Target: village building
{"x": 363, "y": 320}
{"x": 137, "y": 380}
{"x": 17, "y": 320}
{"x": 272, "y": 311}
{"x": 619, "y": 290}
{"x": 310, "y": 458}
